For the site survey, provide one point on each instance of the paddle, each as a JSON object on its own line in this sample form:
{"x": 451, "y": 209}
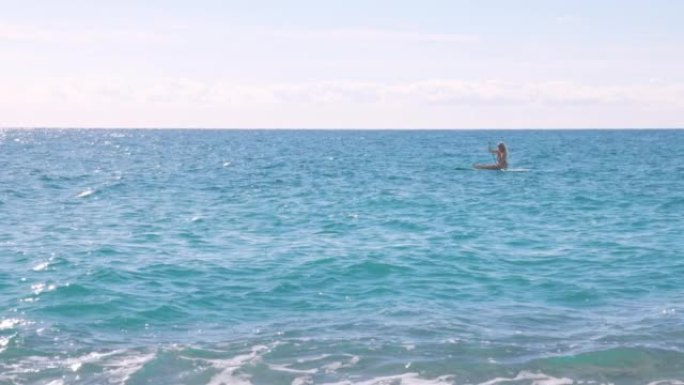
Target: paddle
{"x": 489, "y": 149}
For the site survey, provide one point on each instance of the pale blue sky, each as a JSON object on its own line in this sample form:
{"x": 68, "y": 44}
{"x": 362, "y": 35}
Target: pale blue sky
{"x": 342, "y": 64}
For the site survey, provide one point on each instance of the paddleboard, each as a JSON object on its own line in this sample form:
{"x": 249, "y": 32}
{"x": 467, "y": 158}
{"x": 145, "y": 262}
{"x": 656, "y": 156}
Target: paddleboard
{"x": 490, "y": 167}
{"x": 475, "y": 167}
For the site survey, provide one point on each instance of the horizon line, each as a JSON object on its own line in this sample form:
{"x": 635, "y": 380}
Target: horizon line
{"x": 343, "y": 128}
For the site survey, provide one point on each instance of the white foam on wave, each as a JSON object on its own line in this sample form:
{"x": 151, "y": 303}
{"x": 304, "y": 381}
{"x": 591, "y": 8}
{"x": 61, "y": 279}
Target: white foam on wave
{"x": 287, "y": 369}
{"x": 41, "y": 266}
{"x": 13, "y": 372}
{"x": 451, "y": 341}
{"x": 44, "y": 264}
{"x": 5, "y": 340}
{"x": 415, "y": 379}
{"x": 120, "y": 368}
{"x": 312, "y": 358}
{"x": 85, "y": 193}
{"x": 74, "y": 364}
{"x": 534, "y": 378}
{"x": 400, "y": 379}
{"x": 337, "y": 365}
{"x": 9, "y": 323}
{"x": 228, "y": 367}
{"x": 306, "y": 380}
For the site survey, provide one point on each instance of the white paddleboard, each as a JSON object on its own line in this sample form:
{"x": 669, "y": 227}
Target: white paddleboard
{"x": 516, "y": 170}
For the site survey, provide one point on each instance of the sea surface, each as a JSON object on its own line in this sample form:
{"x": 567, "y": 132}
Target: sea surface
{"x": 341, "y": 257}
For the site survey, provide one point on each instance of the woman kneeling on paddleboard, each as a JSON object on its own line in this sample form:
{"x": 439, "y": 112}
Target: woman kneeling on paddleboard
{"x": 501, "y": 159}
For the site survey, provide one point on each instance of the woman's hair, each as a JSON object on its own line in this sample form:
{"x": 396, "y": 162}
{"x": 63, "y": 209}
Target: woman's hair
{"x": 502, "y": 147}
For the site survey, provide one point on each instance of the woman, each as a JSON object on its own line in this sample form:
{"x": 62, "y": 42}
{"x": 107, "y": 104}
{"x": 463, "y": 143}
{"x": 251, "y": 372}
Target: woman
{"x": 501, "y": 159}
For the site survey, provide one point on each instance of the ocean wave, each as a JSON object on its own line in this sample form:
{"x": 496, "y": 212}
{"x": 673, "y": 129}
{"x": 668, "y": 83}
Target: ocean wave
{"x": 300, "y": 362}
{"x": 172, "y": 364}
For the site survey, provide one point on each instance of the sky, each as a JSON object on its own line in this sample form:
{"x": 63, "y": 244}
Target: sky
{"x": 342, "y": 64}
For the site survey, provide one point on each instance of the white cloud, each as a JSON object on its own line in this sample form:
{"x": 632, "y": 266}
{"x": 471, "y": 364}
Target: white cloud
{"x": 458, "y": 92}
{"x": 173, "y": 102}
{"x": 72, "y": 34}
{"x": 447, "y": 92}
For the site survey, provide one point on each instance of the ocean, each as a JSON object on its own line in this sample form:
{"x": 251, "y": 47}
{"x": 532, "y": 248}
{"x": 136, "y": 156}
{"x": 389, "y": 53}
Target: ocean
{"x": 301, "y": 257}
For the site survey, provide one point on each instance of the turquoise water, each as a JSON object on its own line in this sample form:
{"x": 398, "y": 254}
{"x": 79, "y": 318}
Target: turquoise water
{"x": 340, "y": 257}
